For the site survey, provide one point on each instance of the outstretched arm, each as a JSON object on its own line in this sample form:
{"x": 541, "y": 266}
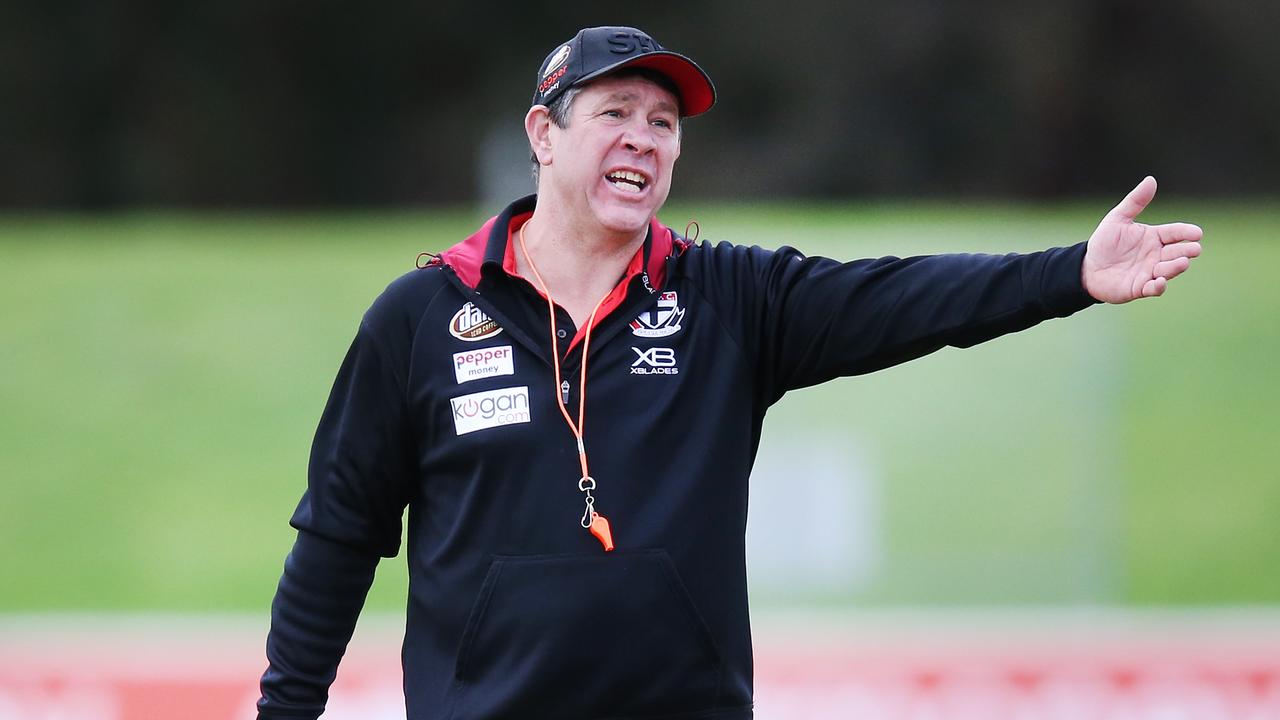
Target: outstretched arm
{"x": 1127, "y": 260}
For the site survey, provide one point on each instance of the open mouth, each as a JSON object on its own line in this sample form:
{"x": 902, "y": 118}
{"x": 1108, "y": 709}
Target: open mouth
{"x": 627, "y": 181}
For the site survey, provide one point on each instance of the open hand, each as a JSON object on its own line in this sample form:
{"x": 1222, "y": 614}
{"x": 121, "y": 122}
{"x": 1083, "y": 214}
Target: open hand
{"x": 1127, "y": 260}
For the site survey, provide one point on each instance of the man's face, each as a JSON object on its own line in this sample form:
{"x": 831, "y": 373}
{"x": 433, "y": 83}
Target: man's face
{"x": 612, "y": 164}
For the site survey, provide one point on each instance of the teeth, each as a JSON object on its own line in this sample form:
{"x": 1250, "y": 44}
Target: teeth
{"x": 628, "y": 176}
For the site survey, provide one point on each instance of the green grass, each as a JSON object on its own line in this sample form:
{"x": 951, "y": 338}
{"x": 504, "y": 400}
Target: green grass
{"x": 161, "y": 375}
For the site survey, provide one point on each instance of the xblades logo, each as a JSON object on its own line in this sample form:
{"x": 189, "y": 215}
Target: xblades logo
{"x": 654, "y": 361}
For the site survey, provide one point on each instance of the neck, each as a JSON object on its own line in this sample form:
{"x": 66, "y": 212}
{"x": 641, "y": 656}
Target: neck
{"x": 578, "y": 267}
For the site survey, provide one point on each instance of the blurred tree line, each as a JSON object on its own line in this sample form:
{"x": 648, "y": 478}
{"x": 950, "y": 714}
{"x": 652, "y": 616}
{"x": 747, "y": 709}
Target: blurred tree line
{"x": 289, "y": 103}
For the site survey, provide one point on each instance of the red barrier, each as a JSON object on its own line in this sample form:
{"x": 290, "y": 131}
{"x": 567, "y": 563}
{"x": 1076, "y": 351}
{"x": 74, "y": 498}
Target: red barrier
{"x": 891, "y": 666}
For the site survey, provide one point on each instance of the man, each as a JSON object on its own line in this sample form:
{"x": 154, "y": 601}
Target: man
{"x": 569, "y": 403}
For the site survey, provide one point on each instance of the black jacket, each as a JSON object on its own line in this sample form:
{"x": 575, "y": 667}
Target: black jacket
{"x": 514, "y": 610}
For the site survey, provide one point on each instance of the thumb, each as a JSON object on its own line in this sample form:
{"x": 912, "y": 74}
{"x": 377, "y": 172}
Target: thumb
{"x": 1135, "y": 201}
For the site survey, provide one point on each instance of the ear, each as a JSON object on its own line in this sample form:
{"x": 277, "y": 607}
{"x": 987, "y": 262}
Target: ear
{"x": 537, "y": 126}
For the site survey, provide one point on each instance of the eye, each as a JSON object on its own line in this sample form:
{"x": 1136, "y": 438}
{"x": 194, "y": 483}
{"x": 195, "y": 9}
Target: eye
{"x": 662, "y": 123}
{"x": 612, "y": 113}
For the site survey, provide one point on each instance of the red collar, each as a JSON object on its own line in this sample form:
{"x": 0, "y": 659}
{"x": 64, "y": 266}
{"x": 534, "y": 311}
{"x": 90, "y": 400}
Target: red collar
{"x": 615, "y": 296}
{"x": 492, "y": 245}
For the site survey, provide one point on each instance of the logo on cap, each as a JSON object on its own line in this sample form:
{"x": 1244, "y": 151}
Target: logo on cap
{"x": 557, "y": 60}
{"x": 625, "y": 42}
{"x": 552, "y": 81}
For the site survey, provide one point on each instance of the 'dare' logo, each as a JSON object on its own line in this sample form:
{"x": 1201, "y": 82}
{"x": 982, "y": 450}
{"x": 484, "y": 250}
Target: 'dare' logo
{"x": 470, "y": 323}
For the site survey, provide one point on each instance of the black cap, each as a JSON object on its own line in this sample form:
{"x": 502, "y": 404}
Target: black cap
{"x": 597, "y": 51}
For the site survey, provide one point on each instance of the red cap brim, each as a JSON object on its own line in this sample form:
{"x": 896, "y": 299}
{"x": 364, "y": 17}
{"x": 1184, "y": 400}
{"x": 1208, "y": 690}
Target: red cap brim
{"x": 697, "y": 94}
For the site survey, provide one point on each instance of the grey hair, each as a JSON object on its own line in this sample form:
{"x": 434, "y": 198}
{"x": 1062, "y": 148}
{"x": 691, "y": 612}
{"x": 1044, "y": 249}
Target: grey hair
{"x": 560, "y": 107}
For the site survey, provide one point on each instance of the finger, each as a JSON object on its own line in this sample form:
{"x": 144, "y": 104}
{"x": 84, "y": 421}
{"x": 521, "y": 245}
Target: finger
{"x": 1179, "y": 232}
{"x": 1182, "y": 249}
{"x": 1171, "y": 268}
{"x": 1135, "y": 201}
{"x": 1154, "y": 287}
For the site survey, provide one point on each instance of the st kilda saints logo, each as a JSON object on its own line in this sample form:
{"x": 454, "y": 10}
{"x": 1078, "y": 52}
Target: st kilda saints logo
{"x": 471, "y": 324}
{"x": 661, "y": 320}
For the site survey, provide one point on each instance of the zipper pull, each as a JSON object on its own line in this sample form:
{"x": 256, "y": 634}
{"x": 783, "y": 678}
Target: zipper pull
{"x": 564, "y": 392}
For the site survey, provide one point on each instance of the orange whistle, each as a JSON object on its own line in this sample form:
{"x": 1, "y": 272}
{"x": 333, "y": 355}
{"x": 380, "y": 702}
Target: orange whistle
{"x": 600, "y": 528}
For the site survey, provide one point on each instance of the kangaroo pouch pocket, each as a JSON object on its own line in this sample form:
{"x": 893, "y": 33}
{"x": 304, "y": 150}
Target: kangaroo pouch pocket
{"x": 603, "y": 635}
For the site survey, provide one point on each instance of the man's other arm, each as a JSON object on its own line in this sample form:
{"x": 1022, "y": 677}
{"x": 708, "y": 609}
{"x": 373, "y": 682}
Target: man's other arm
{"x": 358, "y": 480}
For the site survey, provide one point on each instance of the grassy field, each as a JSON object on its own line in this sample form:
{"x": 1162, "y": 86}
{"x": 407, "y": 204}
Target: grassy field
{"x": 161, "y": 375}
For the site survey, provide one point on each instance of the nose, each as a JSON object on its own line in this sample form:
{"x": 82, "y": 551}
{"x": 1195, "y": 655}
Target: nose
{"x": 638, "y": 138}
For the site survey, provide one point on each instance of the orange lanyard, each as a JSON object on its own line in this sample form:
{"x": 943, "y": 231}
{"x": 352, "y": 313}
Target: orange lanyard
{"x": 591, "y": 520}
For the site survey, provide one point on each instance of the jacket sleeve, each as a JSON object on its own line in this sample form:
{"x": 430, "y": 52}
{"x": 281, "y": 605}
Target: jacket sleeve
{"x": 805, "y": 320}
{"x": 312, "y": 617}
{"x": 359, "y": 477}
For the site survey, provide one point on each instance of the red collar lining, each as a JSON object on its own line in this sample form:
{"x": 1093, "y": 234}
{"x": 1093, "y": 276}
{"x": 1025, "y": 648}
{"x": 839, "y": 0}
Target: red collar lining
{"x": 619, "y": 292}
{"x": 467, "y": 257}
